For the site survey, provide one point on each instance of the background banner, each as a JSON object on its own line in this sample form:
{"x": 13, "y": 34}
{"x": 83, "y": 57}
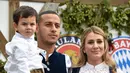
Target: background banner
{"x": 121, "y": 52}
{"x": 69, "y": 45}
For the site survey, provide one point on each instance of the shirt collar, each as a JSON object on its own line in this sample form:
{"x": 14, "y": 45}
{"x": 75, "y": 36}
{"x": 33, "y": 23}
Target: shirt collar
{"x": 43, "y": 52}
{"x": 99, "y": 66}
{"x": 18, "y": 35}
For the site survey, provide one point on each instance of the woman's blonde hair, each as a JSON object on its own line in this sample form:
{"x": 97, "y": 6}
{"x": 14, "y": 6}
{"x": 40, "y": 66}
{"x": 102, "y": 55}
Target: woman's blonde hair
{"x": 106, "y": 57}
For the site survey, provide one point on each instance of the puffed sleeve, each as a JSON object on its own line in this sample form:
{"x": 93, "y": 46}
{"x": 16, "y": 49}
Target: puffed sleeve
{"x": 18, "y": 55}
{"x": 9, "y": 48}
{"x": 22, "y": 60}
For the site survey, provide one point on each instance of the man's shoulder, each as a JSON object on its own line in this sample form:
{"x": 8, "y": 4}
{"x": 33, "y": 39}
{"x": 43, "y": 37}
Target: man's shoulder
{"x": 61, "y": 54}
{"x": 75, "y": 70}
{"x": 58, "y": 53}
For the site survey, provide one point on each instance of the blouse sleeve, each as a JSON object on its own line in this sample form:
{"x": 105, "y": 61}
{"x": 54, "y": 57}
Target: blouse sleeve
{"x": 19, "y": 60}
{"x": 22, "y": 61}
{"x": 119, "y": 70}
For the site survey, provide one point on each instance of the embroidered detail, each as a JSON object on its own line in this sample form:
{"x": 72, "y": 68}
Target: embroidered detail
{"x": 48, "y": 63}
{"x": 45, "y": 66}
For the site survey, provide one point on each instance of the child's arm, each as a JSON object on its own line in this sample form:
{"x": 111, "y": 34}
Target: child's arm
{"x": 22, "y": 61}
{"x": 17, "y": 61}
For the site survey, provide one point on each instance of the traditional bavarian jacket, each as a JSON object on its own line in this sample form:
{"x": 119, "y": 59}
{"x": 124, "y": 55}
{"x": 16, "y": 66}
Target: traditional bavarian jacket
{"x": 57, "y": 62}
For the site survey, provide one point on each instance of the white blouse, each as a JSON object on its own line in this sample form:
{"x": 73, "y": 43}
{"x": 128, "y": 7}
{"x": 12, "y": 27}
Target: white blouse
{"x": 23, "y": 55}
{"x": 100, "y": 68}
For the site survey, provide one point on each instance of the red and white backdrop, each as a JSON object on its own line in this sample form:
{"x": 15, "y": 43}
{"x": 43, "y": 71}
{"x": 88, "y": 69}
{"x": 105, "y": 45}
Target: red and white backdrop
{"x": 69, "y": 45}
{"x": 121, "y": 52}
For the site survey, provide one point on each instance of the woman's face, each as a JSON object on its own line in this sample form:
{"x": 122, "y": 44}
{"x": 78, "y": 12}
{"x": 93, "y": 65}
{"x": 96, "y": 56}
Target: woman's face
{"x": 94, "y": 46}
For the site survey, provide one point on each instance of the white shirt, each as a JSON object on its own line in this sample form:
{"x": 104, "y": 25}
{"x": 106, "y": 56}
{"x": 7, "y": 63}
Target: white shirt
{"x": 23, "y": 55}
{"x": 100, "y": 68}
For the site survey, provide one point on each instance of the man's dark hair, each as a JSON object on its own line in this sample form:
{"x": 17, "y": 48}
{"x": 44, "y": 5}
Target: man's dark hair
{"x": 47, "y": 12}
{"x": 24, "y": 12}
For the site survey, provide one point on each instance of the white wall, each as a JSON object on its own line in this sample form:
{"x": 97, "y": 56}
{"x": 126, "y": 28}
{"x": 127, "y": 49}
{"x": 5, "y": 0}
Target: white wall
{"x": 35, "y": 5}
{"x": 4, "y": 18}
{"x": 114, "y": 32}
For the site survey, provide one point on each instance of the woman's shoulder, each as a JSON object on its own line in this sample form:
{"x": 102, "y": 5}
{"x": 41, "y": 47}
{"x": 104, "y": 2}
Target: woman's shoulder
{"x": 119, "y": 70}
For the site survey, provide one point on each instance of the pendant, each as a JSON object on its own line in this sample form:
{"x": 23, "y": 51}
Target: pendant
{"x": 47, "y": 63}
{"x": 45, "y": 66}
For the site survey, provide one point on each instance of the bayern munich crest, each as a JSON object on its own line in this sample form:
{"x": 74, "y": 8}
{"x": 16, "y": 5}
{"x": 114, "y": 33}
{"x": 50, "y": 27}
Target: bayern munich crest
{"x": 69, "y": 45}
{"x": 121, "y": 53}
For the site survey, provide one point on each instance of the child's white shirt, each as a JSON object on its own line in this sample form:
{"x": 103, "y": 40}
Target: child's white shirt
{"x": 23, "y": 55}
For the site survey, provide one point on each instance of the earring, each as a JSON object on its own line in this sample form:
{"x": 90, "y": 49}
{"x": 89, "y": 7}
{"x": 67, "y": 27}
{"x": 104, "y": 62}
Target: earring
{"x": 84, "y": 52}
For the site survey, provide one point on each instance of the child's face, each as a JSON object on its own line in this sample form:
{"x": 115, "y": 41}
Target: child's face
{"x": 26, "y": 26}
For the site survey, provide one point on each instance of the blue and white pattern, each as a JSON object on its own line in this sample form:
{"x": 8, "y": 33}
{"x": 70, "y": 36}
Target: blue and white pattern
{"x": 122, "y": 58}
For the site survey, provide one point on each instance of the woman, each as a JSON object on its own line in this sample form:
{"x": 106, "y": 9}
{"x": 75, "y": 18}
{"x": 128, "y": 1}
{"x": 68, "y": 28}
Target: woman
{"x": 94, "y": 56}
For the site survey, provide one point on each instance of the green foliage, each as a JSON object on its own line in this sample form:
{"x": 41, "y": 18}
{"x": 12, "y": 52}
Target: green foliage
{"x": 78, "y": 16}
{"x": 2, "y": 67}
{"x": 120, "y": 19}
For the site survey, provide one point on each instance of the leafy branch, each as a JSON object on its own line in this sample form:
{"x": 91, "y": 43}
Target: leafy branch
{"x": 77, "y": 17}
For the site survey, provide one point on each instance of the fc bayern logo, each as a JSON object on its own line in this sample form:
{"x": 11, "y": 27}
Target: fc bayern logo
{"x": 69, "y": 45}
{"x": 121, "y": 53}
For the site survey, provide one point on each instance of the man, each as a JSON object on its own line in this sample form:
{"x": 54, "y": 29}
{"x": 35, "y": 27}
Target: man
{"x": 48, "y": 32}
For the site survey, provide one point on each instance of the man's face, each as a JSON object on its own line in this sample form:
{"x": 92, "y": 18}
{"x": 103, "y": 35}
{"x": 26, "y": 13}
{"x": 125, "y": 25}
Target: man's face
{"x": 48, "y": 29}
{"x": 26, "y": 26}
